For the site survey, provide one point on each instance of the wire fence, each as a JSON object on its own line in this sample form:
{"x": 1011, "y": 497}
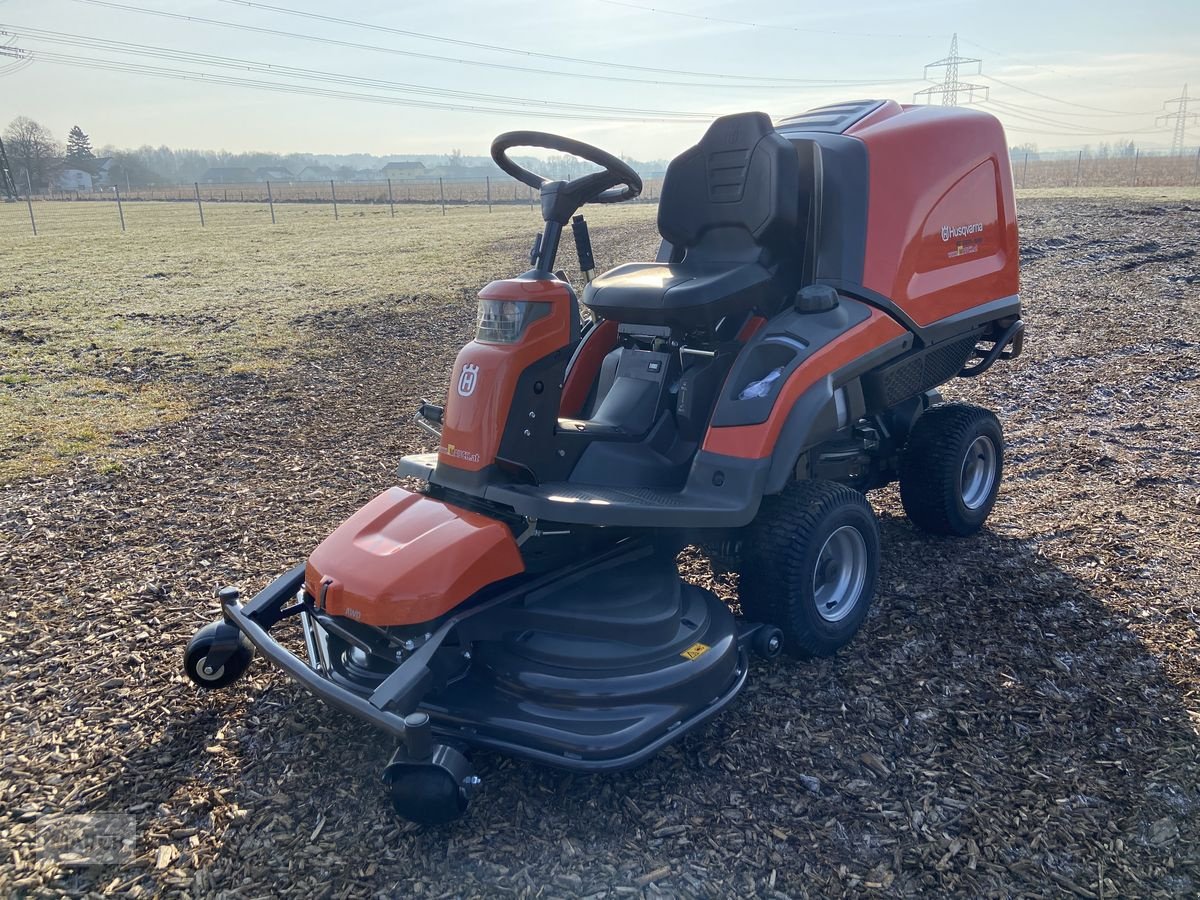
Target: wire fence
{"x": 1139, "y": 169}
{"x": 457, "y": 191}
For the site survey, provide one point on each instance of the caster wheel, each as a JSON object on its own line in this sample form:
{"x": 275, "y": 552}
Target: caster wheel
{"x": 427, "y": 795}
{"x": 767, "y": 642}
{"x": 211, "y": 640}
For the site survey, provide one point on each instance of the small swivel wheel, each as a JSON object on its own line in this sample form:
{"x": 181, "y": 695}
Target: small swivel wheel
{"x": 767, "y": 642}
{"x": 427, "y": 795}
{"x": 217, "y": 656}
{"x": 429, "y": 783}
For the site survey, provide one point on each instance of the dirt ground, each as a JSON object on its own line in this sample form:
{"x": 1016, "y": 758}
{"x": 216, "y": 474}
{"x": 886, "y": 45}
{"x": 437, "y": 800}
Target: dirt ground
{"x": 1019, "y": 716}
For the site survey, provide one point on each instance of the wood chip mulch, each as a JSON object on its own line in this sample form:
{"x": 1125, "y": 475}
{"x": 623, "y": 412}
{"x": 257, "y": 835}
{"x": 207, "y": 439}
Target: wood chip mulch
{"x": 1018, "y": 718}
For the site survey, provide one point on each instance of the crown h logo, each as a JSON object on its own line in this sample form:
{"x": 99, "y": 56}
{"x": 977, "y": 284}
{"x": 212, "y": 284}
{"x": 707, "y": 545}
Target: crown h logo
{"x": 468, "y": 379}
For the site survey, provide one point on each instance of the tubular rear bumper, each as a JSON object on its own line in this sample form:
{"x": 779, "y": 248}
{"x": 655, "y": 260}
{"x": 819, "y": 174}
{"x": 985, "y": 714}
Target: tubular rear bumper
{"x": 405, "y": 689}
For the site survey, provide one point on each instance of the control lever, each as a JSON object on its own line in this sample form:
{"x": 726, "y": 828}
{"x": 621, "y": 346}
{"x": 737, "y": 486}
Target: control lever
{"x": 583, "y": 247}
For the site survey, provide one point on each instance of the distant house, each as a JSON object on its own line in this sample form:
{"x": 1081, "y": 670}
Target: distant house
{"x": 273, "y": 173}
{"x": 72, "y": 179}
{"x": 232, "y": 175}
{"x": 102, "y": 171}
{"x": 405, "y": 169}
{"x": 315, "y": 173}
{"x": 82, "y": 174}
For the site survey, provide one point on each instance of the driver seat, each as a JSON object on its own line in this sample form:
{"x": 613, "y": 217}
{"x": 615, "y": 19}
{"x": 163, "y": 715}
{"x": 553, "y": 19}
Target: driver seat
{"x": 730, "y": 210}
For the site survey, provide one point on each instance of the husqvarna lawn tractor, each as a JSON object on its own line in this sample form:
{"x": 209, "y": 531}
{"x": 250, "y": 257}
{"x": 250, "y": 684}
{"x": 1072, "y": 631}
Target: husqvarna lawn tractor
{"x": 817, "y": 280}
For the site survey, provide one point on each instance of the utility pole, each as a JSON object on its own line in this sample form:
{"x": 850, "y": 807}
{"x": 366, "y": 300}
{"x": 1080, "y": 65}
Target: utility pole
{"x": 8, "y": 187}
{"x": 951, "y": 86}
{"x": 1181, "y": 117}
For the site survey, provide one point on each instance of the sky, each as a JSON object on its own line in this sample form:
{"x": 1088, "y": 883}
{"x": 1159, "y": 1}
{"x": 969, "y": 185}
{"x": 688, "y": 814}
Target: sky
{"x": 1060, "y": 74}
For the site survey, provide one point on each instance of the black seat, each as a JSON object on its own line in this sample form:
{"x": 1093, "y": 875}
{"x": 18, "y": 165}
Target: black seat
{"x": 730, "y": 210}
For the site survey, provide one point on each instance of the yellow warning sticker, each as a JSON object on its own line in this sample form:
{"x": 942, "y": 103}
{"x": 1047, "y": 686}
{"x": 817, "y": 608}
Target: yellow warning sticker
{"x": 695, "y": 651}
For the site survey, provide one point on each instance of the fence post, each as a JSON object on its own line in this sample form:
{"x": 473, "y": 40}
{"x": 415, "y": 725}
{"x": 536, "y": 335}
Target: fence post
{"x": 442, "y": 190}
{"x": 1078, "y": 167}
{"x": 1197, "y": 165}
{"x": 29, "y": 202}
{"x": 271, "y": 202}
{"x": 333, "y": 193}
{"x": 391, "y": 202}
{"x": 1136, "y": 156}
{"x": 1025, "y": 170}
{"x": 120, "y": 211}
{"x": 199, "y": 206}
{"x": 530, "y": 196}
{"x": 489, "y": 192}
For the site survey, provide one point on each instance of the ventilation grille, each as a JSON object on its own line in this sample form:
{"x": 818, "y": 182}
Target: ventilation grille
{"x": 834, "y": 119}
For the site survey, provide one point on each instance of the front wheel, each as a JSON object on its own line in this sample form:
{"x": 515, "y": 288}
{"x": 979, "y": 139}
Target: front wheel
{"x": 202, "y": 669}
{"x": 950, "y": 469}
{"x": 809, "y": 565}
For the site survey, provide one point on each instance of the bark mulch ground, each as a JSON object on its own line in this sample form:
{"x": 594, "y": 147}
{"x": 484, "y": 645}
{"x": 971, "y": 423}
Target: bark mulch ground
{"x": 1017, "y": 718}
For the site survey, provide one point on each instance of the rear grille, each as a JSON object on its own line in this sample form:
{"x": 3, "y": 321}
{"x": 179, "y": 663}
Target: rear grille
{"x": 919, "y": 372}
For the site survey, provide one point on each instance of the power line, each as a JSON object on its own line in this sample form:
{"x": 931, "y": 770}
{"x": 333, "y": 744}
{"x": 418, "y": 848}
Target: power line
{"x": 93, "y": 63}
{"x": 173, "y": 55}
{"x": 1181, "y": 117}
{"x": 1067, "y": 112}
{"x": 497, "y": 48}
{"x": 1017, "y": 87}
{"x": 951, "y": 86}
{"x": 414, "y": 54}
{"x": 766, "y": 26}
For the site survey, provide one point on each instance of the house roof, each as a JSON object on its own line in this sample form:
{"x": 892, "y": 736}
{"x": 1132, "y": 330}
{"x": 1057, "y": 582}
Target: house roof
{"x": 272, "y": 171}
{"x": 404, "y": 166}
{"x": 228, "y": 174}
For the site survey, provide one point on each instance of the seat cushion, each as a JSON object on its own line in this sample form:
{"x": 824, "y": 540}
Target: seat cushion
{"x": 682, "y": 295}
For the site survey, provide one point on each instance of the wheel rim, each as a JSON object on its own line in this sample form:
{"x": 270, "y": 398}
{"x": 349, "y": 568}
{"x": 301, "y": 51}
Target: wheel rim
{"x": 205, "y": 676}
{"x": 978, "y": 475}
{"x": 840, "y": 574}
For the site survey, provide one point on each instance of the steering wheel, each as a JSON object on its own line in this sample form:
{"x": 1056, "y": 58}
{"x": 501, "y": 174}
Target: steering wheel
{"x": 616, "y": 183}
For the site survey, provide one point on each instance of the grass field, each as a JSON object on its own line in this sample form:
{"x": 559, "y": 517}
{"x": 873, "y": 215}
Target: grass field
{"x": 183, "y": 409}
{"x": 105, "y": 333}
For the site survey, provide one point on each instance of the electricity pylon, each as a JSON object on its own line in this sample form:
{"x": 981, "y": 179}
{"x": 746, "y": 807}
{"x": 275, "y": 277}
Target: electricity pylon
{"x": 951, "y": 86}
{"x": 1181, "y": 118}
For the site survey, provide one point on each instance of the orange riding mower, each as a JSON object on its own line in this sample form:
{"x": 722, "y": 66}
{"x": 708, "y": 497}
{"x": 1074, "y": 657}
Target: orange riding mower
{"x": 817, "y": 280}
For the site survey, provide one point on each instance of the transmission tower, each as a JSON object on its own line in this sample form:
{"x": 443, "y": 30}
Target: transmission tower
{"x": 951, "y": 87}
{"x": 1181, "y": 118}
{"x": 7, "y": 186}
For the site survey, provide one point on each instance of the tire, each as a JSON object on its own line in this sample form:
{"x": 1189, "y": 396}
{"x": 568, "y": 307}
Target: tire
{"x": 810, "y": 561}
{"x": 951, "y": 468}
{"x": 427, "y": 795}
{"x": 196, "y": 655}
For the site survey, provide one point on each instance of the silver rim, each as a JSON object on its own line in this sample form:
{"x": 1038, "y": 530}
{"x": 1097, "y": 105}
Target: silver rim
{"x": 978, "y": 475}
{"x": 841, "y": 573}
{"x": 206, "y": 676}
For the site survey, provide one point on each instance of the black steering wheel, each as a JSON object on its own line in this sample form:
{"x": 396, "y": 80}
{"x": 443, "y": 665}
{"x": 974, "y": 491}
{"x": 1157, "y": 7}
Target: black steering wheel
{"x": 616, "y": 183}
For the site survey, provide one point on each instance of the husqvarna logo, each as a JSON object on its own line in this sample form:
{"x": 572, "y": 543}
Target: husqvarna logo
{"x": 468, "y": 379}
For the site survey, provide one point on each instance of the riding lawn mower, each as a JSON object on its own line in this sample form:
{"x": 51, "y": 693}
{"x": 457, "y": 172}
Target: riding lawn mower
{"x": 817, "y": 280}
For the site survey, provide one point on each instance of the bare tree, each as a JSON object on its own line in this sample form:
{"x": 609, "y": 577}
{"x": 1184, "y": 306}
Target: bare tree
{"x": 31, "y": 151}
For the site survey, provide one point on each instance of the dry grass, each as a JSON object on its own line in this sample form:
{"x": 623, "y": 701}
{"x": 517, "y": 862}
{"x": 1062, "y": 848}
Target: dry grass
{"x": 104, "y": 333}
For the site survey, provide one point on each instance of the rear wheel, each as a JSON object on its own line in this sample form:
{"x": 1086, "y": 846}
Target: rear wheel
{"x": 951, "y": 467}
{"x": 809, "y": 565}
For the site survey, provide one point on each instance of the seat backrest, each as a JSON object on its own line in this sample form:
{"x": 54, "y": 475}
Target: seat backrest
{"x": 735, "y": 196}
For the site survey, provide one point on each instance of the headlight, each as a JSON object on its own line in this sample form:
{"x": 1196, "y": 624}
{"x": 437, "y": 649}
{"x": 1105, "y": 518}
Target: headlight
{"x": 504, "y": 321}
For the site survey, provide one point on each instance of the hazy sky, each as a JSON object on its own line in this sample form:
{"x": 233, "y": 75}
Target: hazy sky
{"x": 1123, "y": 58}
